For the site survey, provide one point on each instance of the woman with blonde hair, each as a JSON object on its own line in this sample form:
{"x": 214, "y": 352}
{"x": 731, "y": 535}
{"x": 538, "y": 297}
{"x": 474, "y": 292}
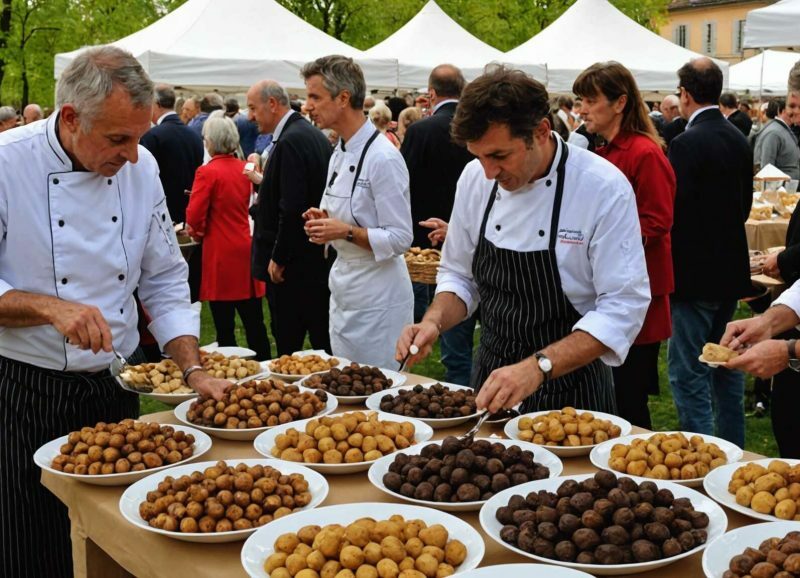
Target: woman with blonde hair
{"x": 408, "y": 117}
{"x": 381, "y": 117}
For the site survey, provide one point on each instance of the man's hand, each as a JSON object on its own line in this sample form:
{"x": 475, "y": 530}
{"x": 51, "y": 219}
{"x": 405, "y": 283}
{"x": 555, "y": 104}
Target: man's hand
{"x": 193, "y": 234}
{"x": 507, "y": 386}
{"x": 770, "y": 266}
{"x": 275, "y": 271}
{"x": 423, "y": 335}
{"x": 321, "y": 231}
{"x": 763, "y": 360}
{"x": 83, "y": 325}
{"x": 315, "y": 213}
{"x": 208, "y": 386}
{"x": 745, "y": 332}
{"x": 439, "y": 232}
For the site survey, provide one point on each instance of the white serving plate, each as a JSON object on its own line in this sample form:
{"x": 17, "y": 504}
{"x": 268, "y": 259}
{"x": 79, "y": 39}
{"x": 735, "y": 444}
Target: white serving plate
{"x": 716, "y": 486}
{"x": 45, "y": 454}
{"x": 512, "y": 431}
{"x": 397, "y": 378}
{"x": 374, "y": 403}
{"x": 381, "y": 467}
{"x": 266, "y": 441}
{"x": 290, "y": 378}
{"x": 718, "y": 554}
{"x": 259, "y": 546}
{"x": 229, "y": 351}
{"x": 137, "y": 493}
{"x": 524, "y": 571}
{"x": 718, "y": 522}
{"x": 601, "y": 453}
{"x": 244, "y": 434}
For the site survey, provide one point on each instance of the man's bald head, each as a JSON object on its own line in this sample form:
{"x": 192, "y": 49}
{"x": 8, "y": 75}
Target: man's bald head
{"x": 701, "y": 78}
{"x": 267, "y": 103}
{"x": 669, "y": 107}
{"x": 794, "y": 78}
{"x": 446, "y": 81}
{"x": 266, "y": 89}
{"x": 32, "y": 113}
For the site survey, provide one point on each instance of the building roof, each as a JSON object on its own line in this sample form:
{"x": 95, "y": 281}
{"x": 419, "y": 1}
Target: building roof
{"x": 689, "y": 4}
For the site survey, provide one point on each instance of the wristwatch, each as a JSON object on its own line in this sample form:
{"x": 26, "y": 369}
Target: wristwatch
{"x": 349, "y": 236}
{"x": 794, "y": 362}
{"x": 545, "y": 365}
{"x": 189, "y": 371}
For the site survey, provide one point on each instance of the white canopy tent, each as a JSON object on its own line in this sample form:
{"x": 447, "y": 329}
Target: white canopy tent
{"x": 431, "y": 38}
{"x": 595, "y": 31}
{"x": 232, "y": 44}
{"x": 747, "y": 75}
{"x": 774, "y": 25}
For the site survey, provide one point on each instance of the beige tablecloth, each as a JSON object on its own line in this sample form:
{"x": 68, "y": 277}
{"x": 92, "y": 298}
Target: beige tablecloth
{"x": 95, "y": 516}
{"x": 761, "y": 235}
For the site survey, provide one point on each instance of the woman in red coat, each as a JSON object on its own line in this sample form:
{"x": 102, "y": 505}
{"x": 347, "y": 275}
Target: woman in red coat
{"x": 614, "y": 109}
{"x": 217, "y": 215}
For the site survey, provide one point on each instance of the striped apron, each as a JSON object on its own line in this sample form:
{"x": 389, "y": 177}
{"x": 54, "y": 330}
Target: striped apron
{"x": 524, "y": 309}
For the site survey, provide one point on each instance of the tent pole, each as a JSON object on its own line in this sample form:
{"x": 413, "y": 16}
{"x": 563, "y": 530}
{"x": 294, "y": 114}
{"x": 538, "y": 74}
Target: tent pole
{"x": 761, "y": 81}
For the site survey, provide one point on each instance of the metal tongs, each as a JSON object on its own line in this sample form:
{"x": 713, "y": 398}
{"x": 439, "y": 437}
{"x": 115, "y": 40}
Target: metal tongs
{"x": 468, "y": 437}
{"x": 117, "y": 366}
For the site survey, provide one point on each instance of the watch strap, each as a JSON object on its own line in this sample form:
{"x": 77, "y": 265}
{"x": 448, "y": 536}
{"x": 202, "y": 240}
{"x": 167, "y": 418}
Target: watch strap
{"x": 350, "y": 234}
{"x": 791, "y": 345}
{"x": 547, "y": 374}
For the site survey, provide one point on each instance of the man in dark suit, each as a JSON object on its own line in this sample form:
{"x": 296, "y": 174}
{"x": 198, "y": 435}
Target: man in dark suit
{"x": 294, "y": 175}
{"x": 434, "y": 164}
{"x": 713, "y": 168}
{"x": 248, "y": 131}
{"x": 729, "y": 107}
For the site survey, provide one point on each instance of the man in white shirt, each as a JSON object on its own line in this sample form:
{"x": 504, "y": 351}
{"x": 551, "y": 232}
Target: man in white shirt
{"x": 82, "y": 225}
{"x": 545, "y": 236}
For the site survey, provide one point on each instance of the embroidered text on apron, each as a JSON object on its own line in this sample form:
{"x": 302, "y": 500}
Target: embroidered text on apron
{"x": 524, "y": 309}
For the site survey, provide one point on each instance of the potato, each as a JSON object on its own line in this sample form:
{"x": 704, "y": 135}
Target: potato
{"x": 427, "y": 564}
{"x": 435, "y": 535}
{"x": 351, "y": 557}
{"x": 388, "y": 568}
{"x": 455, "y": 553}
{"x": 786, "y": 509}
{"x": 769, "y": 482}
{"x": 763, "y": 502}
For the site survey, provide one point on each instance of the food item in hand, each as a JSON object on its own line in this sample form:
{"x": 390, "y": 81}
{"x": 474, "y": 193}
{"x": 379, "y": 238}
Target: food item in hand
{"x": 352, "y": 437}
{"x": 435, "y": 401}
{"x": 222, "y": 498}
{"x": 718, "y": 353}
{"x": 775, "y": 557}
{"x": 394, "y": 548}
{"x": 301, "y": 364}
{"x": 455, "y": 472}
{"x": 118, "y": 448}
{"x": 603, "y": 520}
{"x": 419, "y": 256}
{"x": 567, "y": 427}
{"x": 667, "y": 457}
{"x": 256, "y": 404}
{"x": 772, "y": 490}
{"x": 353, "y": 379}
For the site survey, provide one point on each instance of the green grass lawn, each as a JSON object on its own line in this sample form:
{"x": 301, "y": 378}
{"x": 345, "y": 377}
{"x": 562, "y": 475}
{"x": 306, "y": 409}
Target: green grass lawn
{"x": 759, "y": 436}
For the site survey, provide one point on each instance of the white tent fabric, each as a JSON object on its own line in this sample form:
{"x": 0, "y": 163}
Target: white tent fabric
{"x": 232, "y": 44}
{"x": 746, "y": 75}
{"x": 774, "y": 25}
{"x": 431, "y": 38}
{"x": 595, "y": 31}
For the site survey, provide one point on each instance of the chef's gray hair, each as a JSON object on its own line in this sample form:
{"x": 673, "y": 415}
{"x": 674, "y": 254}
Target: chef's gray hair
{"x": 221, "y": 135}
{"x": 89, "y": 80}
{"x": 339, "y": 73}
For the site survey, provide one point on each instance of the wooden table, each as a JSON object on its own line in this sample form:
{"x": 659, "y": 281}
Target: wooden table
{"x": 105, "y": 545}
{"x": 761, "y": 235}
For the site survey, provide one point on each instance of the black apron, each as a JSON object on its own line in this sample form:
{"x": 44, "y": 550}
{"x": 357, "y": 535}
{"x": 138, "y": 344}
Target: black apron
{"x": 523, "y": 310}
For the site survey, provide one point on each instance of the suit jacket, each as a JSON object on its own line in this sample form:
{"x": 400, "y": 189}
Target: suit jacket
{"x": 434, "y": 164}
{"x": 294, "y": 181}
{"x": 179, "y": 152}
{"x": 789, "y": 259}
{"x": 673, "y": 129}
{"x": 741, "y": 121}
{"x": 777, "y": 145}
{"x": 248, "y": 133}
{"x": 714, "y": 175}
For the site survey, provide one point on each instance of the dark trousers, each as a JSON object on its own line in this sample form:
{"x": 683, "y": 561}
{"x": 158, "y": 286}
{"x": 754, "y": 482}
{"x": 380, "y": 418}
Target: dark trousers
{"x": 785, "y": 401}
{"x": 634, "y": 380}
{"x": 252, "y": 316}
{"x": 297, "y": 307}
{"x": 37, "y": 406}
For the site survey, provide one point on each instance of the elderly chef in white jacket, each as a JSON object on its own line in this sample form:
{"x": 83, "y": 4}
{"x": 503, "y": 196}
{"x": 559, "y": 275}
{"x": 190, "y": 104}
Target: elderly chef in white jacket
{"x": 365, "y": 214}
{"x": 83, "y": 223}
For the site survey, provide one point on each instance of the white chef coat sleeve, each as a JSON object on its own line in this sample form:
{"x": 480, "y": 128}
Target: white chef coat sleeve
{"x": 619, "y": 274}
{"x": 5, "y": 287}
{"x": 790, "y": 298}
{"x": 163, "y": 284}
{"x": 455, "y": 270}
{"x": 389, "y": 182}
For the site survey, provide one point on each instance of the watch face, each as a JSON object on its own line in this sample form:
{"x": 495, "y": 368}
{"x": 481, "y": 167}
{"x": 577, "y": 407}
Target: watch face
{"x": 545, "y": 365}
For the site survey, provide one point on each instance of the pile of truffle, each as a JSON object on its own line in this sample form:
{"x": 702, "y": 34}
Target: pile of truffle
{"x": 603, "y": 520}
{"x": 775, "y": 557}
{"x": 435, "y": 401}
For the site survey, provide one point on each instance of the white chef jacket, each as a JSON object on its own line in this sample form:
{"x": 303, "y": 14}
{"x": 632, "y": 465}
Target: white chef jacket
{"x": 790, "y": 298}
{"x": 598, "y": 250}
{"x": 88, "y": 239}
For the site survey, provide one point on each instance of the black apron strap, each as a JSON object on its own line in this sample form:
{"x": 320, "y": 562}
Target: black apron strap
{"x": 358, "y": 171}
{"x": 559, "y": 194}
{"x": 489, "y": 206}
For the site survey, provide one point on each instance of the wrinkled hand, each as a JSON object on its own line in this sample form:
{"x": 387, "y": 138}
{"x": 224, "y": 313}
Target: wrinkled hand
{"x": 746, "y": 332}
{"x": 314, "y": 213}
{"x": 439, "y": 230}
{"x": 321, "y": 231}
{"x": 507, "y": 386}
{"x": 275, "y": 271}
{"x": 83, "y": 325}
{"x": 763, "y": 360}
{"x": 255, "y": 175}
{"x": 193, "y": 234}
{"x": 208, "y": 386}
{"x": 770, "y": 265}
{"x": 423, "y": 334}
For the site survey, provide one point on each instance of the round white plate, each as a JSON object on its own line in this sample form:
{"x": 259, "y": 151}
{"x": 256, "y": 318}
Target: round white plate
{"x": 512, "y": 431}
{"x": 229, "y": 351}
{"x": 718, "y": 554}
{"x": 716, "y": 486}
{"x": 714, "y": 364}
{"x": 266, "y": 441}
{"x": 601, "y": 453}
{"x": 381, "y": 467}
{"x": 259, "y": 546}
{"x": 374, "y": 403}
{"x": 718, "y": 522}
{"x": 248, "y": 433}
{"x": 137, "y": 493}
{"x": 524, "y": 571}
{"x": 45, "y": 454}
{"x": 290, "y": 378}
{"x": 397, "y": 378}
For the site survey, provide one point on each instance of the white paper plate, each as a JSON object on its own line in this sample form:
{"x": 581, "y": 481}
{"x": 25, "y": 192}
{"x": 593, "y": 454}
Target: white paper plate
{"x": 601, "y": 453}
{"x": 229, "y": 351}
{"x": 714, "y": 364}
{"x": 718, "y": 554}
{"x": 137, "y": 493}
{"x": 718, "y": 522}
{"x": 259, "y": 546}
{"x": 266, "y": 441}
{"x": 381, "y": 467}
{"x": 45, "y": 454}
{"x": 716, "y": 486}
{"x": 243, "y": 434}
{"x": 524, "y": 571}
{"x": 374, "y": 403}
{"x": 512, "y": 431}
{"x": 397, "y": 378}
{"x": 290, "y": 378}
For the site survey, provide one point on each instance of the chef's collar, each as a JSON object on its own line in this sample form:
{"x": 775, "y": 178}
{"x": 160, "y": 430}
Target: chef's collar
{"x": 358, "y": 140}
{"x": 556, "y": 159}
{"x": 55, "y": 144}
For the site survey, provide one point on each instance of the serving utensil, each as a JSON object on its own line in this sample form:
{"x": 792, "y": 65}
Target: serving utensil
{"x": 468, "y": 437}
{"x": 413, "y": 350}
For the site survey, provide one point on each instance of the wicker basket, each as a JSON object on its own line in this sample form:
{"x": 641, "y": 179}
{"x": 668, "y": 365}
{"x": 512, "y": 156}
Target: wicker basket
{"x": 423, "y": 272}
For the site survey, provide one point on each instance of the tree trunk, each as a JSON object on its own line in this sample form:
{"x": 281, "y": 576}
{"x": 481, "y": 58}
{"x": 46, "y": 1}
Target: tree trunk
{"x": 5, "y": 32}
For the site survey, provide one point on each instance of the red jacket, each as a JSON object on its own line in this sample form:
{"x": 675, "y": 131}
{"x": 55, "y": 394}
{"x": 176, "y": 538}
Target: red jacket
{"x": 217, "y": 212}
{"x": 646, "y": 166}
